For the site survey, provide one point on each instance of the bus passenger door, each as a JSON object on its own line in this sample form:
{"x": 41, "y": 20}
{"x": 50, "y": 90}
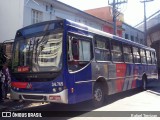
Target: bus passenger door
{"x": 79, "y": 67}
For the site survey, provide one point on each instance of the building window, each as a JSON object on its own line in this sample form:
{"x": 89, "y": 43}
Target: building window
{"x": 141, "y": 41}
{"x": 137, "y": 40}
{"x": 36, "y": 16}
{"x": 51, "y": 7}
{"x": 132, "y": 38}
{"x": 46, "y": 7}
{"x": 126, "y": 36}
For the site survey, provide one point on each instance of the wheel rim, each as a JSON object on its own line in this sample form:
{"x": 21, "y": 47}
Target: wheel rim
{"x": 98, "y": 94}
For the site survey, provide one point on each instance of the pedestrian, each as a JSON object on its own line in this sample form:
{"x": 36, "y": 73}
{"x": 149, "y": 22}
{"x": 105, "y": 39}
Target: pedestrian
{"x": 1, "y": 84}
{"x": 7, "y": 79}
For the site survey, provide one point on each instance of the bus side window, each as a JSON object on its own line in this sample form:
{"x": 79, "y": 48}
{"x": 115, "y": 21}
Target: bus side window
{"x": 127, "y": 52}
{"x": 136, "y": 55}
{"x": 79, "y": 52}
{"x": 153, "y": 58}
{"x": 73, "y": 48}
{"x": 148, "y": 55}
{"x": 143, "y": 56}
{"x": 116, "y": 50}
{"x": 102, "y": 52}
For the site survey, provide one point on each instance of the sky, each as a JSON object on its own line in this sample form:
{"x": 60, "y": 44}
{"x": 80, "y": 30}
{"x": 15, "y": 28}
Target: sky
{"x": 133, "y": 10}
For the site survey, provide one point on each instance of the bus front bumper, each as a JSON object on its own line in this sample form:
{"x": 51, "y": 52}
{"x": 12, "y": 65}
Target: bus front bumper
{"x": 61, "y": 97}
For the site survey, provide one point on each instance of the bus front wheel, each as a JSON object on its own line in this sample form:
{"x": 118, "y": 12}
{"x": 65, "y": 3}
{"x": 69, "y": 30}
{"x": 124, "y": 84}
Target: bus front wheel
{"x": 98, "y": 95}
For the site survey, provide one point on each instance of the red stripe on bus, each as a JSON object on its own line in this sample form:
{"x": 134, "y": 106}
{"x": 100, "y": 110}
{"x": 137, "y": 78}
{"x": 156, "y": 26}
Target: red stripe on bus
{"x": 120, "y": 72}
{"x": 19, "y": 84}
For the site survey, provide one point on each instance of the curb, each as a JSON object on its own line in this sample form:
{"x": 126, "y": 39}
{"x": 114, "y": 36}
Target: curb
{"x": 153, "y": 92}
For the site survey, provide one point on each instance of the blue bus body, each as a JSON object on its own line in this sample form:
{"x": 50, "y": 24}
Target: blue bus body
{"x": 77, "y": 86}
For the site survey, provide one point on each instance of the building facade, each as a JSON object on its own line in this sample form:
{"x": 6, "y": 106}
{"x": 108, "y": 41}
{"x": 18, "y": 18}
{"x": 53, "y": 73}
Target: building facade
{"x": 105, "y": 14}
{"x": 11, "y": 12}
{"x": 153, "y": 28}
{"x": 20, "y": 13}
{"x": 153, "y": 33}
{"x": 133, "y": 34}
{"x": 123, "y": 30}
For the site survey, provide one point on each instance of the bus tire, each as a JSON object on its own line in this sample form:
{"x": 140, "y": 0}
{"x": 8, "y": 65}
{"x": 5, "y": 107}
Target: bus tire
{"x": 98, "y": 95}
{"x": 144, "y": 83}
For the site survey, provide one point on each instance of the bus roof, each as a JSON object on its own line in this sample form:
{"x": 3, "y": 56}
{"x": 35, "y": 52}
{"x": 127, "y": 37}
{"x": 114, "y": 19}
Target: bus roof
{"x": 91, "y": 30}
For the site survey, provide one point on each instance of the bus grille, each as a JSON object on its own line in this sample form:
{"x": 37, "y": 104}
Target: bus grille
{"x": 33, "y": 97}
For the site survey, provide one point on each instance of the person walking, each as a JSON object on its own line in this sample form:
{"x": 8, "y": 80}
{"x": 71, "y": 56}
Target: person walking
{"x": 1, "y": 83}
{"x": 6, "y": 73}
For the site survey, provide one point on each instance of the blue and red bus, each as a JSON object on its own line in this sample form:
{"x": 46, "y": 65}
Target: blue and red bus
{"x": 67, "y": 62}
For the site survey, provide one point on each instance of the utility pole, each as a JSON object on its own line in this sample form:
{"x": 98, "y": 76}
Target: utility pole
{"x": 115, "y": 12}
{"x": 114, "y": 18}
{"x": 145, "y": 20}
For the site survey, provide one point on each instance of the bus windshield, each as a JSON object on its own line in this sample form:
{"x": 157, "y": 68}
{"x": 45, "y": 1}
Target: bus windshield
{"x": 38, "y": 54}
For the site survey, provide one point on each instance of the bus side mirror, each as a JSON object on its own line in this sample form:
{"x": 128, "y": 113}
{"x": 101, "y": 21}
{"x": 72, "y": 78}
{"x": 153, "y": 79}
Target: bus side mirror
{"x": 75, "y": 49}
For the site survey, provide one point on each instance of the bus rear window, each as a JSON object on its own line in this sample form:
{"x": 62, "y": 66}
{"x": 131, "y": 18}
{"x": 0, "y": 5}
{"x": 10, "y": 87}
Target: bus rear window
{"x": 154, "y": 61}
{"x": 148, "y": 55}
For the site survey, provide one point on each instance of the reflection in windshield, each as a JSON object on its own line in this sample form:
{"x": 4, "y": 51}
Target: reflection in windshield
{"x": 39, "y": 53}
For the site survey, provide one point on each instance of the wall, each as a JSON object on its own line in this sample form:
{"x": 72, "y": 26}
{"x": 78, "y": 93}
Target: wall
{"x": 131, "y": 31}
{"x": 109, "y": 29}
{"x": 11, "y": 12}
{"x": 41, "y": 6}
{"x": 105, "y": 13}
{"x": 18, "y": 13}
{"x": 59, "y": 11}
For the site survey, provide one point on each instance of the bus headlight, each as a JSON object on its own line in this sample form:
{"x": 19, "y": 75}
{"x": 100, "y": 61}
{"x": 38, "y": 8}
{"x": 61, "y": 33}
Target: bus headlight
{"x": 54, "y": 90}
{"x": 60, "y": 89}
